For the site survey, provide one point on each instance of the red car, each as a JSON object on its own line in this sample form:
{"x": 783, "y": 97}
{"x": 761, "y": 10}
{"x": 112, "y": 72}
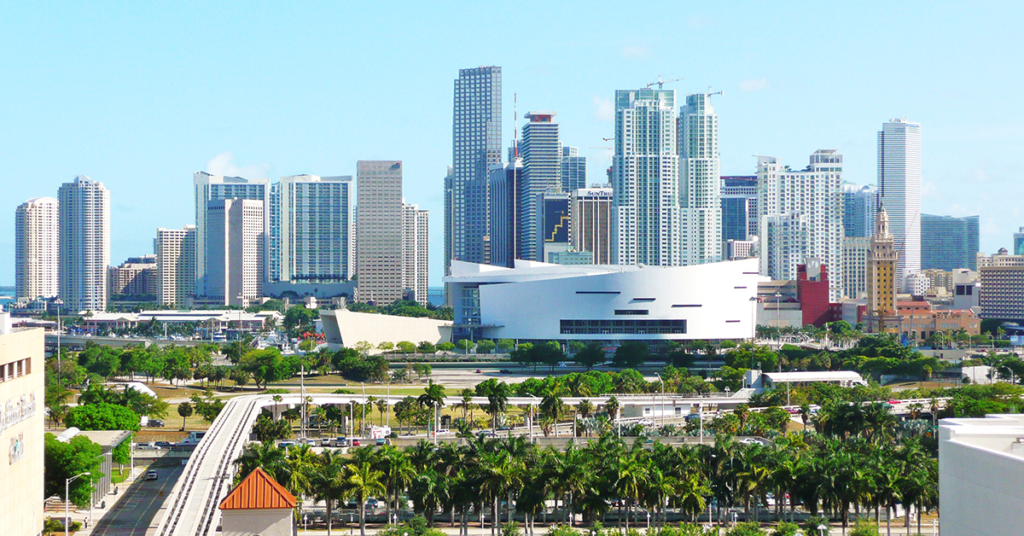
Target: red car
{"x": 355, "y": 442}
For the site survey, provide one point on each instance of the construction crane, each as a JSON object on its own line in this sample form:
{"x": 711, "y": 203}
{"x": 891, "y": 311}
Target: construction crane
{"x": 607, "y": 139}
{"x": 709, "y": 94}
{"x": 661, "y": 83}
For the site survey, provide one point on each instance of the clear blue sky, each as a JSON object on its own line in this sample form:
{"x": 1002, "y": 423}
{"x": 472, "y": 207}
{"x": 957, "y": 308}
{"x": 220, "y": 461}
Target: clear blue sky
{"x": 139, "y": 95}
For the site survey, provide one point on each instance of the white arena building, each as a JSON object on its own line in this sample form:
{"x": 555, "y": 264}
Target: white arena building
{"x": 539, "y": 301}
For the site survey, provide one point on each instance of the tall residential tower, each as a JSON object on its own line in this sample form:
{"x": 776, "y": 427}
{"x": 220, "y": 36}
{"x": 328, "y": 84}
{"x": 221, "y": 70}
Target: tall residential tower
{"x": 542, "y": 173}
{"x": 36, "y": 248}
{"x": 176, "y": 265}
{"x": 84, "y": 244}
{"x": 646, "y": 225}
{"x": 699, "y": 181}
{"x": 314, "y": 229}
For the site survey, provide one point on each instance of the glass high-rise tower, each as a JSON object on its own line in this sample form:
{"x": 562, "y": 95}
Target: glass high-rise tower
{"x": 476, "y": 145}
{"x": 899, "y": 183}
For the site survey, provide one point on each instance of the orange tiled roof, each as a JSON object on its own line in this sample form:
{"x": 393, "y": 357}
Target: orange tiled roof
{"x": 259, "y": 491}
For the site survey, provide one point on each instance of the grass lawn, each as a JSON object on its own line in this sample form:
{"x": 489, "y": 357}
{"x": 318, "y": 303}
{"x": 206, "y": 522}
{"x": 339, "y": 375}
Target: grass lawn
{"x": 116, "y": 477}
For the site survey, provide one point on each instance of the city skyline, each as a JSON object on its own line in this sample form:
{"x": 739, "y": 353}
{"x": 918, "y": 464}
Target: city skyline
{"x": 138, "y": 134}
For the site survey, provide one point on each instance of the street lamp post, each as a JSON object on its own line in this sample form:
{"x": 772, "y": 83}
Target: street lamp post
{"x": 60, "y": 380}
{"x": 700, "y": 414}
{"x": 778, "y": 322}
{"x": 662, "y": 381}
{"x": 67, "y": 498}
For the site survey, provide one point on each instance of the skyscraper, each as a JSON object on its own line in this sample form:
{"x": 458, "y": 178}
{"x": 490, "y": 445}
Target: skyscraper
{"x": 856, "y": 252}
{"x": 415, "y": 245}
{"x": 176, "y": 264}
{"x": 84, "y": 244}
{"x": 699, "y": 181}
{"x": 860, "y": 204}
{"x": 553, "y": 224}
{"x": 739, "y": 208}
{"x": 476, "y": 145}
{"x": 542, "y": 173}
{"x": 574, "y": 169}
{"x": 802, "y": 216}
{"x": 505, "y": 180}
{"x": 315, "y": 228}
{"x": 235, "y": 248}
{"x": 379, "y": 232}
{"x": 646, "y": 223}
{"x": 948, "y": 243}
{"x": 1018, "y": 242}
{"x": 899, "y": 183}
{"x": 591, "y": 230}
{"x": 36, "y": 248}
{"x": 213, "y": 187}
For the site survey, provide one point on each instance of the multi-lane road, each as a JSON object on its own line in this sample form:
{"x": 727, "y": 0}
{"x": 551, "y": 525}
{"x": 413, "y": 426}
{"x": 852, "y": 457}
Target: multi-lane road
{"x": 138, "y": 512}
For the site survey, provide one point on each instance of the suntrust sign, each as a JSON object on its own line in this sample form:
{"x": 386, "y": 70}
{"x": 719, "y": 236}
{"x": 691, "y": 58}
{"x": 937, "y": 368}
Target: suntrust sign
{"x": 17, "y": 410}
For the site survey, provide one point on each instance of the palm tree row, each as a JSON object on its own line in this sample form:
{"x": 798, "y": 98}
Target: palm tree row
{"x": 513, "y": 477}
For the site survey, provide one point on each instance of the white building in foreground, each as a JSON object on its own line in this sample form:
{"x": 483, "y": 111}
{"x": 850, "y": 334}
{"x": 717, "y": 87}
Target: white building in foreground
{"x": 981, "y": 467}
{"x": 539, "y": 301}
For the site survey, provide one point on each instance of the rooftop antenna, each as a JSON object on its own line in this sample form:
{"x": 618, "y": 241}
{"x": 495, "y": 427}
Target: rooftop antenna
{"x": 515, "y": 125}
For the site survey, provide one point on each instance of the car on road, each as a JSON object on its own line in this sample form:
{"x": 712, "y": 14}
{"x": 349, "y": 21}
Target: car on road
{"x": 793, "y": 411}
{"x": 355, "y": 442}
{"x": 340, "y": 442}
{"x": 504, "y": 428}
{"x": 645, "y": 422}
{"x": 893, "y": 402}
{"x": 486, "y": 434}
{"x": 381, "y": 441}
{"x": 151, "y": 475}
{"x": 163, "y": 444}
{"x": 478, "y": 371}
{"x": 505, "y": 371}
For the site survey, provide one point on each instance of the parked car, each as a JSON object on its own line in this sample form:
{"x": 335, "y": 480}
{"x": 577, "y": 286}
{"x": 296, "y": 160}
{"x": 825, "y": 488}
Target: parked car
{"x": 155, "y": 423}
{"x": 504, "y": 428}
{"x": 310, "y": 442}
{"x": 151, "y": 475}
{"x": 286, "y": 444}
{"x": 381, "y": 441}
{"x": 325, "y": 442}
{"x": 163, "y": 444}
{"x": 340, "y": 442}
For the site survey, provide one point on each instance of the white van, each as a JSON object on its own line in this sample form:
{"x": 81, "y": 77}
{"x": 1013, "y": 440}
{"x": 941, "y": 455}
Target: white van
{"x": 193, "y": 438}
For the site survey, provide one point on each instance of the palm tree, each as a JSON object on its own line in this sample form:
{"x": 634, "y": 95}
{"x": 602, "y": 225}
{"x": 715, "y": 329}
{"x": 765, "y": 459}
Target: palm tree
{"x": 552, "y": 408}
{"x": 382, "y": 406}
{"x": 265, "y": 456}
{"x": 497, "y": 401}
{"x": 398, "y": 474}
{"x": 466, "y": 404}
{"x": 433, "y": 398}
{"x": 585, "y": 408}
{"x": 303, "y": 464}
{"x": 328, "y": 482}
{"x": 630, "y": 476}
{"x": 499, "y": 473}
{"x": 360, "y": 482}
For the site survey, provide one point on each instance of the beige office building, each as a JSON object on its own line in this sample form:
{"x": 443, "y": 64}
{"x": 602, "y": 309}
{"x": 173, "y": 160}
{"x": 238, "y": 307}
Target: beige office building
{"x": 36, "y": 248}
{"x": 134, "y": 279}
{"x": 21, "y": 429}
{"x": 176, "y": 264}
{"x": 379, "y": 231}
{"x": 235, "y": 247}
